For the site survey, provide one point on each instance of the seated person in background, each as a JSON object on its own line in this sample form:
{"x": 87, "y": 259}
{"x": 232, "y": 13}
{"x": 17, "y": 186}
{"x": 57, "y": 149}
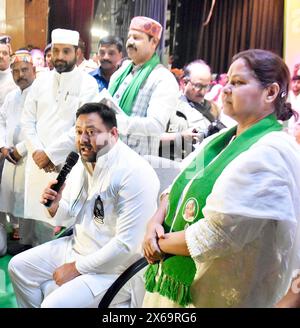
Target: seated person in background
{"x": 48, "y": 57}
{"x": 294, "y": 99}
{"x": 243, "y": 246}
{"x": 82, "y": 63}
{"x": 194, "y": 113}
{"x": 38, "y": 59}
{"x": 111, "y": 194}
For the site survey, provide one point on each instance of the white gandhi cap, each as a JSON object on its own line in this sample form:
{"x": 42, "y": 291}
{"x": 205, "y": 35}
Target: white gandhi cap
{"x": 63, "y": 36}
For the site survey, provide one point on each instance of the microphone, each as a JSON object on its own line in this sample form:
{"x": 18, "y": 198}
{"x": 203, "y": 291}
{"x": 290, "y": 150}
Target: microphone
{"x": 61, "y": 178}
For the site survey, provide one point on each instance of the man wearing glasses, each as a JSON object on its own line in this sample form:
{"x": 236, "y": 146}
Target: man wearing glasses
{"x": 194, "y": 114}
{"x": 110, "y": 194}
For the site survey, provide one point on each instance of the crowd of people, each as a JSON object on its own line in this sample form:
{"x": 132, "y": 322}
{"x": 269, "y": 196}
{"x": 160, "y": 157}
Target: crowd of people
{"x": 226, "y": 232}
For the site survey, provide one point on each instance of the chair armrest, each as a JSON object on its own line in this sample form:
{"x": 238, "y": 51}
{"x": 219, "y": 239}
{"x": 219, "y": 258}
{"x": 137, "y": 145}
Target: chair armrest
{"x": 121, "y": 281}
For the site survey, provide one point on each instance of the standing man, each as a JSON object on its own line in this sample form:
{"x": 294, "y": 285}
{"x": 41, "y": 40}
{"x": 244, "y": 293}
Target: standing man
{"x": 110, "y": 56}
{"x": 145, "y": 90}
{"x": 110, "y": 194}
{"x": 7, "y": 84}
{"x": 12, "y": 144}
{"x": 6, "y": 80}
{"x": 50, "y": 110}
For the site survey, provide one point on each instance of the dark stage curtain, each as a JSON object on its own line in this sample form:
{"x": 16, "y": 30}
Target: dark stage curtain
{"x": 155, "y": 9}
{"x": 74, "y": 15}
{"x": 235, "y": 25}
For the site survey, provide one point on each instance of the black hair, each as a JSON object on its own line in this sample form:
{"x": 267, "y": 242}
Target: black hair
{"x": 111, "y": 40}
{"x": 106, "y": 114}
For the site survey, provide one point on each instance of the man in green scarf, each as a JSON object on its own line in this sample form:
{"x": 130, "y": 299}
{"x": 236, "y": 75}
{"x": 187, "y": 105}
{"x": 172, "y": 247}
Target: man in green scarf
{"x": 144, "y": 89}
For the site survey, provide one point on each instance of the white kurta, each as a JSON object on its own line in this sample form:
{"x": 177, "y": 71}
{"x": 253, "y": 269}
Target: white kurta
{"x": 49, "y": 111}
{"x": 7, "y": 84}
{"x": 128, "y": 188}
{"x": 248, "y": 244}
{"x": 151, "y": 111}
{"x": 13, "y": 177}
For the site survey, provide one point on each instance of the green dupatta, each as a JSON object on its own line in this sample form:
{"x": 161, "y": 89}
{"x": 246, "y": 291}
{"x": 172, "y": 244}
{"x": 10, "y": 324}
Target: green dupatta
{"x": 177, "y": 272}
{"x": 131, "y": 92}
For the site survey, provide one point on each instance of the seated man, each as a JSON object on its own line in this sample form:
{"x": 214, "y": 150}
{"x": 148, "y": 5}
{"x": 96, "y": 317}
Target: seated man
{"x": 194, "y": 114}
{"x": 111, "y": 194}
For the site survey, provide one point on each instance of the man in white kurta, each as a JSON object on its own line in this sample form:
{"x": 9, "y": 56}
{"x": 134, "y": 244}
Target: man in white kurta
{"x": 50, "y": 111}
{"x": 105, "y": 242}
{"x": 7, "y": 84}
{"x": 12, "y": 143}
{"x": 155, "y": 100}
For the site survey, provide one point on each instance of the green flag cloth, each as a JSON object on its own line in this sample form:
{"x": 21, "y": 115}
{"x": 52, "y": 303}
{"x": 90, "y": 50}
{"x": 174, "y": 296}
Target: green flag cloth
{"x": 177, "y": 272}
{"x": 129, "y": 95}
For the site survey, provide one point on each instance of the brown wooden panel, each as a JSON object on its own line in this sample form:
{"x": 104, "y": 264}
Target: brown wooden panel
{"x": 15, "y": 20}
{"x": 36, "y": 22}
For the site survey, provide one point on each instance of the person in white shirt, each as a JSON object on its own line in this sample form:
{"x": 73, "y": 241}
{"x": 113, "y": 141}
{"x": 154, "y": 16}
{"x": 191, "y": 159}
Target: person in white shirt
{"x": 7, "y": 84}
{"x": 12, "y": 144}
{"x": 49, "y": 110}
{"x": 193, "y": 114}
{"x": 110, "y": 194}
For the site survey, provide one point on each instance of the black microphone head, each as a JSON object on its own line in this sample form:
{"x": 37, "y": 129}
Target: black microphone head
{"x": 72, "y": 159}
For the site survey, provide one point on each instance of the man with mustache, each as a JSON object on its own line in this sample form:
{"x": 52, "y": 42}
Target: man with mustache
{"x": 110, "y": 194}
{"x": 49, "y": 111}
{"x": 145, "y": 90}
{"x": 12, "y": 144}
{"x": 110, "y": 56}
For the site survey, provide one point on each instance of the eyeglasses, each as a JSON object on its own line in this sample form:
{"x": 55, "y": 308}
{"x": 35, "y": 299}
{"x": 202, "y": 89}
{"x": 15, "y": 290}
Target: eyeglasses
{"x": 199, "y": 86}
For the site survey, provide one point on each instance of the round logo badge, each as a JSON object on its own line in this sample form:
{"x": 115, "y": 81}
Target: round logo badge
{"x": 190, "y": 210}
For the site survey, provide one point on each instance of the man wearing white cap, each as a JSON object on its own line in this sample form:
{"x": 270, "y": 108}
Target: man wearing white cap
{"x": 12, "y": 144}
{"x": 144, "y": 89}
{"x": 49, "y": 112}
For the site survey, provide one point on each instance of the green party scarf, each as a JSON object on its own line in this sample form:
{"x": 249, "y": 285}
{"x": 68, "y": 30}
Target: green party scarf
{"x": 129, "y": 95}
{"x": 177, "y": 272}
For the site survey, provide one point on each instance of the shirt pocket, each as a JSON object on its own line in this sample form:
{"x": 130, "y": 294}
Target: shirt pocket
{"x": 69, "y": 105}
